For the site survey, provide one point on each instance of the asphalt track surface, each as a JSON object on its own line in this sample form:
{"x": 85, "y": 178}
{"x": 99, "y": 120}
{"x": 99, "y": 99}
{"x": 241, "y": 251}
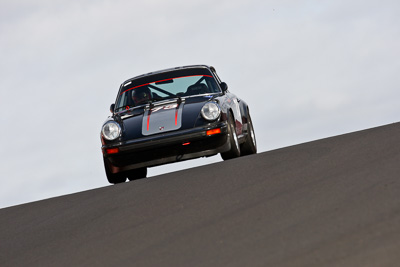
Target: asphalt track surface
{"x": 331, "y": 202}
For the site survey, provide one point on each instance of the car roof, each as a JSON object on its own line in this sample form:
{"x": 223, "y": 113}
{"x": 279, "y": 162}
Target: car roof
{"x": 168, "y": 70}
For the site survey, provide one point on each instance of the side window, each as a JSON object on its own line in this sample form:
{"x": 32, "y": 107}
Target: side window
{"x": 216, "y": 75}
{"x": 122, "y": 101}
{"x": 213, "y": 87}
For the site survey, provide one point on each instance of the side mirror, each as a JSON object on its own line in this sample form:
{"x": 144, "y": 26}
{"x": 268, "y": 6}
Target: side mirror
{"x": 224, "y": 87}
{"x": 112, "y": 108}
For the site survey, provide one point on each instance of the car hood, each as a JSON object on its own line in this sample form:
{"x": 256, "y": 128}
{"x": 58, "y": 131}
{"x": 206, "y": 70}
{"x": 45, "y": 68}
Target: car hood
{"x": 162, "y": 118}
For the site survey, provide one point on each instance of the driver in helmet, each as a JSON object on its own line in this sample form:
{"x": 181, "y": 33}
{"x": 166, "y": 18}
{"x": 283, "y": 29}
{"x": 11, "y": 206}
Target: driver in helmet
{"x": 141, "y": 95}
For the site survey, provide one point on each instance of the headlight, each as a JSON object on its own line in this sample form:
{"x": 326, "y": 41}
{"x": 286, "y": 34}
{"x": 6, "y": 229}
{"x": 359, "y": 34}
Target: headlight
{"x": 210, "y": 111}
{"x": 111, "y": 130}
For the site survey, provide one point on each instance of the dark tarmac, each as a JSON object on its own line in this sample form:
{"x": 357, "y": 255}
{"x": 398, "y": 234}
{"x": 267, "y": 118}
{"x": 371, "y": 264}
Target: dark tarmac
{"x": 331, "y": 202}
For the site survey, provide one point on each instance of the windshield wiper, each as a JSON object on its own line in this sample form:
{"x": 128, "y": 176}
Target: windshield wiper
{"x": 122, "y": 107}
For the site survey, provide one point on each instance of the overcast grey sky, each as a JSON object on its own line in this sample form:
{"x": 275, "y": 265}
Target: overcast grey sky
{"x": 308, "y": 70}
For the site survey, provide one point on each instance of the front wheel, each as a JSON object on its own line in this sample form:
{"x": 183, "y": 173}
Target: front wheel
{"x": 234, "y": 152}
{"x": 113, "y": 178}
{"x": 137, "y": 174}
{"x": 250, "y": 145}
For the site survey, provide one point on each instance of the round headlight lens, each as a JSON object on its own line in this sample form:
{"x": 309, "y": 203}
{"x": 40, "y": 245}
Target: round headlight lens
{"x": 210, "y": 111}
{"x": 111, "y": 130}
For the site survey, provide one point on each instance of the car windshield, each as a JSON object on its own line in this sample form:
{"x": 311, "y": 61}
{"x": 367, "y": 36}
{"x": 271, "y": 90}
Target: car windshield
{"x": 176, "y": 84}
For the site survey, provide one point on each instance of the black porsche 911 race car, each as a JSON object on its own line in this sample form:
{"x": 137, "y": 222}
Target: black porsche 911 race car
{"x": 173, "y": 115}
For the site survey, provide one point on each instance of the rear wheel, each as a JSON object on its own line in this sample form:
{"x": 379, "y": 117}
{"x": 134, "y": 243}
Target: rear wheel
{"x": 113, "y": 178}
{"x": 137, "y": 174}
{"x": 250, "y": 145}
{"x": 233, "y": 139}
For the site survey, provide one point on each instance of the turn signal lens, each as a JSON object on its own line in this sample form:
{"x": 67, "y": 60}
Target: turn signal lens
{"x": 214, "y": 131}
{"x": 112, "y": 150}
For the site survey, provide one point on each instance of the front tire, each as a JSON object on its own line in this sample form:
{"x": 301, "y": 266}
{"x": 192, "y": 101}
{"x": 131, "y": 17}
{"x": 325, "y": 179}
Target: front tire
{"x": 250, "y": 145}
{"x": 233, "y": 139}
{"x": 113, "y": 178}
{"x": 137, "y": 174}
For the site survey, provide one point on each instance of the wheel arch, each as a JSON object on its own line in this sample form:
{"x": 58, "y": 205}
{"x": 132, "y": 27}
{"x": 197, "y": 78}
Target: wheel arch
{"x": 244, "y": 110}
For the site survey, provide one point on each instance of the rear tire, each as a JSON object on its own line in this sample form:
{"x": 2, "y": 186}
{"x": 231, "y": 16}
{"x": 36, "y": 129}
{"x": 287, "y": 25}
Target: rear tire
{"x": 113, "y": 178}
{"x": 250, "y": 145}
{"x": 233, "y": 139}
{"x": 137, "y": 174}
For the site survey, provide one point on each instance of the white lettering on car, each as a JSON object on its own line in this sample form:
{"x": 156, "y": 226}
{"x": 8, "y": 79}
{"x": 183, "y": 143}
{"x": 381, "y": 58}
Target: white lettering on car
{"x": 164, "y": 107}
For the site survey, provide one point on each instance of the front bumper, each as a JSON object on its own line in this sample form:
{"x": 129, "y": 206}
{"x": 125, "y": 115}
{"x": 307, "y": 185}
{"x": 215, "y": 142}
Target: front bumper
{"x": 167, "y": 148}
